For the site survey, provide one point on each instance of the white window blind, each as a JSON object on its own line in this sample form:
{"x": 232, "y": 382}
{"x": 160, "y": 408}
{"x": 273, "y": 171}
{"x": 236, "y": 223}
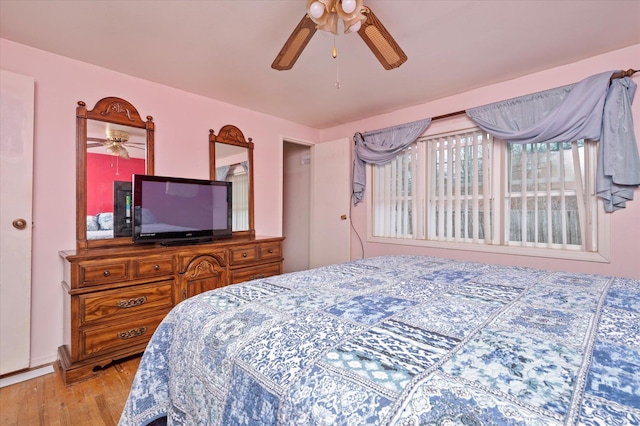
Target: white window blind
{"x": 394, "y": 203}
{"x": 548, "y": 203}
{"x": 465, "y": 187}
{"x": 460, "y": 207}
{"x": 240, "y": 198}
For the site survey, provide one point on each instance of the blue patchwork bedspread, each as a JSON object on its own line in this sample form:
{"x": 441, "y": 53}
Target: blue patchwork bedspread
{"x": 402, "y": 340}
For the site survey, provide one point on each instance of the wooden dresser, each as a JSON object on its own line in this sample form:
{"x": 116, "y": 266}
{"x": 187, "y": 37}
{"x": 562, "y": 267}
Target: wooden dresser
{"x": 116, "y": 297}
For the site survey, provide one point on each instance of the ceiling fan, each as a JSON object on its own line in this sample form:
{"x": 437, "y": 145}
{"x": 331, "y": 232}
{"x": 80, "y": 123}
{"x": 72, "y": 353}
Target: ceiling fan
{"x": 115, "y": 142}
{"x": 324, "y": 15}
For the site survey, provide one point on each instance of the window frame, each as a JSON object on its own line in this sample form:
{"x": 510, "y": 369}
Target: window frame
{"x": 498, "y": 190}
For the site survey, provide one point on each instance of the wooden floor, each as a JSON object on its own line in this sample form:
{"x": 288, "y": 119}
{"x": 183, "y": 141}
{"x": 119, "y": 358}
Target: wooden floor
{"x": 45, "y": 400}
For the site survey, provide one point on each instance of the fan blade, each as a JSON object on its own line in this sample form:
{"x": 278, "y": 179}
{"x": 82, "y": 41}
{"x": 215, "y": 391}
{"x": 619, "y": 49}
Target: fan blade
{"x": 380, "y": 41}
{"x": 96, "y": 139}
{"x": 295, "y": 44}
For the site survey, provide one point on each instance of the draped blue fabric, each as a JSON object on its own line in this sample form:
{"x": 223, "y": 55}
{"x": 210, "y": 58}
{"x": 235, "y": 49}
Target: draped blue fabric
{"x": 245, "y": 166}
{"x": 618, "y": 159}
{"x": 590, "y": 109}
{"x": 380, "y": 147}
{"x": 557, "y": 115}
{"x": 222, "y": 172}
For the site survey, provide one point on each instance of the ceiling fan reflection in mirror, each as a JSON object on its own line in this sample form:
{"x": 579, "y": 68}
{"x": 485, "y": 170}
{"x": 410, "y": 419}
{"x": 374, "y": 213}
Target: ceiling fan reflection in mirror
{"x": 324, "y": 15}
{"x": 115, "y": 143}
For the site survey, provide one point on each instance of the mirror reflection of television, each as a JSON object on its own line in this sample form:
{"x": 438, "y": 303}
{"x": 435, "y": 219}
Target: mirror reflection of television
{"x": 173, "y": 211}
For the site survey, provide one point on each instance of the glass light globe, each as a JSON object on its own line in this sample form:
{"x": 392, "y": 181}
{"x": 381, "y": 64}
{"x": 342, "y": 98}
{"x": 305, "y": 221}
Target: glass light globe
{"x": 355, "y": 27}
{"x": 316, "y": 10}
{"x": 348, "y": 5}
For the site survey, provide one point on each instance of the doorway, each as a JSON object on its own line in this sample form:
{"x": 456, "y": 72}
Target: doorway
{"x": 316, "y": 196}
{"x": 296, "y": 209}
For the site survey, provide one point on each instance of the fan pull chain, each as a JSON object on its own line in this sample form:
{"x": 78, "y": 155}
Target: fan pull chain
{"x": 334, "y": 54}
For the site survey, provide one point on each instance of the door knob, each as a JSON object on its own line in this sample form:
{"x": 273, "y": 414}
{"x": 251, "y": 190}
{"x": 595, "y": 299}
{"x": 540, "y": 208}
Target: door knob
{"x": 343, "y": 217}
{"x": 20, "y": 224}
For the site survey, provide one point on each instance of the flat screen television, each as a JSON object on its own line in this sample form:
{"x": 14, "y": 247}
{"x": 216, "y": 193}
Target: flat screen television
{"x": 173, "y": 211}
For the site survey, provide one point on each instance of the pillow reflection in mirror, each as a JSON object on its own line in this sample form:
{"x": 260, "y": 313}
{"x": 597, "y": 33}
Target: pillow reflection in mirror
{"x": 105, "y": 220}
{"x": 92, "y": 223}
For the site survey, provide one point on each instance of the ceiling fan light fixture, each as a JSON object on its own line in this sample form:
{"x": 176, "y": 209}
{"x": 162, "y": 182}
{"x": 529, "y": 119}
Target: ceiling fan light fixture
{"x": 329, "y": 23}
{"x": 316, "y": 10}
{"x": 123, "y": 153}
{"x": 119, "y": 136}
{"x": 352, "y": 17}
{"x": 353, "y": 28}
{"x": 327, "y": 13}
{"x": 324, "y": 15}
{"x": 348, "y": 6}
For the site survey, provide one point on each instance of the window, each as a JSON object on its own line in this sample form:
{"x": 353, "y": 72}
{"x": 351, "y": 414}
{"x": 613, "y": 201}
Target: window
{"x": 546, "y": 200}
{"x": 239, "y": 177}
{"x": 463, "y": 189}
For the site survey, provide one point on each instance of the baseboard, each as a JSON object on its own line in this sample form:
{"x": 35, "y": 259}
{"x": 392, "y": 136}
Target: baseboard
{"x": 41, "y": 361}
{"x": 26, "y": 375}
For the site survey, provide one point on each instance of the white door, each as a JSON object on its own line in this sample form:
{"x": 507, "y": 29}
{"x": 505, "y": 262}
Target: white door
{"x": 330, "y": 198}
{"x": 16, "y": 175}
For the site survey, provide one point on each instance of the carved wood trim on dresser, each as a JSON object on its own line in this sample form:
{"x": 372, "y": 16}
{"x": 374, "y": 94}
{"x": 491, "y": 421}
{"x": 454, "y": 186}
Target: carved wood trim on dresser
{"x": 115, "y": 298}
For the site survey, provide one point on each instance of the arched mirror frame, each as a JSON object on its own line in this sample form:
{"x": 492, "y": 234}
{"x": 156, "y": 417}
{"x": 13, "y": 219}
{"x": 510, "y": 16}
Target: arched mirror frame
{"x": 108, "y": 110}
{"x": 231, "y": 135}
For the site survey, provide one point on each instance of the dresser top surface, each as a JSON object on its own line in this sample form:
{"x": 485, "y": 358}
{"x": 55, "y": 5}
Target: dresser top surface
{"x": 158, "y": 249}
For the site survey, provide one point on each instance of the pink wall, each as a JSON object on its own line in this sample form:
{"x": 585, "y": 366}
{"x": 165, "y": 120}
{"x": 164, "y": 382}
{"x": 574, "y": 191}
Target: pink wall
{"x": 625, "y": 224}
{"x": 182, "y": 122}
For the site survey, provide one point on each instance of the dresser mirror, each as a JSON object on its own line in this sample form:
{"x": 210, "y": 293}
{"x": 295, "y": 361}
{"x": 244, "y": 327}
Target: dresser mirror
{"x": 113, "y": 143}
{"x": 231, "y": 159}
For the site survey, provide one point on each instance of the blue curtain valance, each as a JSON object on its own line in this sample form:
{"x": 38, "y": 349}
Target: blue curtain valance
{"x": 618, "y": 159}
{"x": 222, "y": 172}
{"x": 594, "y": 108}
{"x": 380, "y": 147}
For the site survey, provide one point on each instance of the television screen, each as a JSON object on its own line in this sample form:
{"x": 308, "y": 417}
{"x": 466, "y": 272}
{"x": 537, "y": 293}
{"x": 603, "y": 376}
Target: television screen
{"x": 179, "y": 211}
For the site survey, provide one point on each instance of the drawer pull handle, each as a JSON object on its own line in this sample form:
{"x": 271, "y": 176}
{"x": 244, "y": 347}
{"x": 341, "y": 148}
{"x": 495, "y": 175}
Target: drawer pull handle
{"x": 184, "y": 294}
{"x": 244, "y": 254}
{"x": 271, "y": 251}
{"x": 124, "y": 335}
{"x": 106, "y": 273}
{"x": 156, "y": 267}
{"x": 136, "y": 301}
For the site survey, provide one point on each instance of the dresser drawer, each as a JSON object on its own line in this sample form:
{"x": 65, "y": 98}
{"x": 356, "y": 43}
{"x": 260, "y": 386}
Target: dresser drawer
{"x": 153, "y": 266}
{"x": 270, "y": 251}
{"x": 122, "y": 335}
{"x": 253, "y": 273}
{"x": 113, "y": 304}
{"x": 243, "y": 254}
{"x": 103, "y": 272}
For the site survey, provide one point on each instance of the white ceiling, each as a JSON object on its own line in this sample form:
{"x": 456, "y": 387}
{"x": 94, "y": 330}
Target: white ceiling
{"x": 224, "y": 49}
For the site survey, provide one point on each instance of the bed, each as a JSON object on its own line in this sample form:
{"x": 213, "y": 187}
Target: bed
{"x": 402, "y": 340}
